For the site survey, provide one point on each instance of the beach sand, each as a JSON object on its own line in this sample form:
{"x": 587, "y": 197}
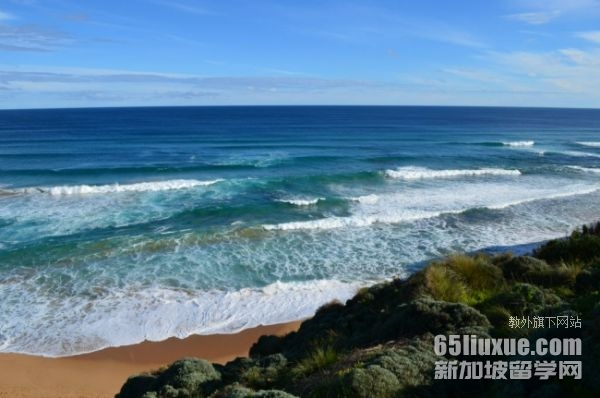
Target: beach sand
{"x": 102, "y": 373}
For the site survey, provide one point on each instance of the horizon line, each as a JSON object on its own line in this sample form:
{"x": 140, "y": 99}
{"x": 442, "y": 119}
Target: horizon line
{"x": 297, "y": 106}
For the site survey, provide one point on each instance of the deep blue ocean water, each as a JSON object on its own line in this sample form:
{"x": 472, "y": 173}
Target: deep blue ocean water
{"x": 119, "y": 225}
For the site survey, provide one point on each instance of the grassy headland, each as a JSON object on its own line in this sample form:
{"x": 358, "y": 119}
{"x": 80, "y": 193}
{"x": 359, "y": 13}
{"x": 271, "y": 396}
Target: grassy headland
{"x": 380, "y": 343}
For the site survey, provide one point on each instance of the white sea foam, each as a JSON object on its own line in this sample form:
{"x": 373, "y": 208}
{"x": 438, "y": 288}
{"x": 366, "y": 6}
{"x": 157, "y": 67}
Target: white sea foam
{"x": 38, "y": 316}
{"x": 127, "y": 316}
{"x": 519, "y": 143}
{"x": 56, "y": 211}
{"x": 581, "y": 191}
{"x": 579, "y": 154}
{"x": 416, "y": 173}
{"x": 430, "y": 202}
{"x": 593, "y": 144}
{"x": 116, "y": 188}
{"x": 585, "y": 169}
{"x": 366, "y": 199}
{"x": 301, "y": 202}
{"x": 352, "y": 221}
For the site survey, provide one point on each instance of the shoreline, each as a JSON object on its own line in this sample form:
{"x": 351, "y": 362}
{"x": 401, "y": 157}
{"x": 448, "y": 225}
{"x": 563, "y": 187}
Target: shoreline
{"x": 30, "y": 376}
{"x": 36, "y": 376}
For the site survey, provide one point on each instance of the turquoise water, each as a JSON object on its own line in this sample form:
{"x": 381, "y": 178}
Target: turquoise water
{"x": 119, "y": 225}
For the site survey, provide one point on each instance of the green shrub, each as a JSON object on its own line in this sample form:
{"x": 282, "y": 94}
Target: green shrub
{"x": 264, "y": 372}
{"x": 523, "y": 299}
{"x": 266, "y": 345}
{"x": 188, "y": 377}
{"x": 584, "y": 304}
{"x": 498, "y": 317}
{"x": 516, "y": 268}
{"x": 136, "y": 386}
{"x": 476, "y": 271}
{"x": 237, "y": 391}
{"x": 412, "y": 365}
{"x": 189, "y": 374}
{"x": 439, "y": 317}
{"x": 591, "y": 229}
{"x": 317, "y": 360}
{"x": 579, "y": 247}
{"x": 444, "y": 284}
{"x": 364, "y": 296}
{"x": 168, "y": 391}
{"x": 587, "y": 281}
{"x": 331, "y": 389}
{"x": 463, "y": 279}
{"x": 272, "y": 394}
{"x": 535, "y": 271}
{"x": 372, "y": 381}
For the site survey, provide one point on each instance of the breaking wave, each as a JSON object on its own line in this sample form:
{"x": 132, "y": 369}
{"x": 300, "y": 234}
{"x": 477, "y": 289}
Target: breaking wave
{"x": 416, "y": 173}
{"x": 115, "y": 188}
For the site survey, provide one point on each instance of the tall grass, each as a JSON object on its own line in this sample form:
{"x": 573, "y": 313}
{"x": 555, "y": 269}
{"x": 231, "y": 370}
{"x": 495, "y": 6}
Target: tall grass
{"x": 464, "y": 279}
{"x": 317, "y": 360}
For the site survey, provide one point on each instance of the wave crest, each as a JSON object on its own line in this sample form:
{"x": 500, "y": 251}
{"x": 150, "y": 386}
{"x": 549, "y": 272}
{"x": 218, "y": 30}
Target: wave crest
{"x": 585, "y": 169}
{"x": 593, "y": 144}
{"x": 65, "y": 190}
{"x": 353, "y": 221}
{"x": 389, "y": 212}
{"x": 519, "y": 143}
{"x": 417, "y": 173}
{"x": 301, "y": 202}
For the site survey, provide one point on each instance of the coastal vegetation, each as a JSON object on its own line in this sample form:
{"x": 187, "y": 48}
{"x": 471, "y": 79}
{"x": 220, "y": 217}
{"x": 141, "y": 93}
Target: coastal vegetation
{"x": 380, "y": 343}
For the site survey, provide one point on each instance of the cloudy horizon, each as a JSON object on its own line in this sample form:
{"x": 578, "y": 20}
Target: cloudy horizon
{"x": 56, "y": 53}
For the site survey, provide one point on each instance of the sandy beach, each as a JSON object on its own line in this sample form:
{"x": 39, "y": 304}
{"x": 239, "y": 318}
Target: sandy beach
{"x": 100, "y": 374}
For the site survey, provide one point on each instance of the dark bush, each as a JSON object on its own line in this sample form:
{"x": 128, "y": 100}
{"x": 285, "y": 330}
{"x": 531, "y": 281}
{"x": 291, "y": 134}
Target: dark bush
{"x": 189, "y": 374}
{"x": 264, "y": 372}
{"x": 516, "y": 268}
{"x": 372, "y": 381}
{"x": 237, "y": 391}
{"x": 185, "y": 378}
{"x": 523, "y": 299}
{"x": 579, "y": 247}
{"x": 136, "y": 386}
{"x": 266, "y": 345}
{"x": 435, "y": 317}
{"x": 588, "y": 281}
{"x": 412, "y": 365}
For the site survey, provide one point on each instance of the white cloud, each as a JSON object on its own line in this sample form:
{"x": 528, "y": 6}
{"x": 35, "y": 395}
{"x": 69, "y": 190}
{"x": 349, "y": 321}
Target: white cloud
{"x": 187, "y": 8}
{"x": 535, "y": 18}
{"x": 566, "y": 77}
{"x": 539, "y": 12}
{"x": 580, "y": 57}
{"x": 569, "y": 71}
{"x": 76, "y": 87}
{"x": 446, "y": 34}
{"x": 117, "y": 87}
{"x": 31, "y": 38}
{"x": 5, "y": 16}
{"x": 593, "y": 36}
{"x": 360, "y": 24}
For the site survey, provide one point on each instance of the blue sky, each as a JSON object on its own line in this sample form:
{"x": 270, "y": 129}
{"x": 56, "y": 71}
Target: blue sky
{"x": 60, "y": 53}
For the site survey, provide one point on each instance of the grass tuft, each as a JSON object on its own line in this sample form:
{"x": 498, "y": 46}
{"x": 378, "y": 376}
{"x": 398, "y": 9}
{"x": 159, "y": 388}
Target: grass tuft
{"x": 316, "y": 361}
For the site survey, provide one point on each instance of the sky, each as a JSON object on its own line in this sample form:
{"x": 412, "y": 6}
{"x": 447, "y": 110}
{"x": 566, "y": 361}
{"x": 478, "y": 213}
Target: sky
{"x": 92, "y": 53}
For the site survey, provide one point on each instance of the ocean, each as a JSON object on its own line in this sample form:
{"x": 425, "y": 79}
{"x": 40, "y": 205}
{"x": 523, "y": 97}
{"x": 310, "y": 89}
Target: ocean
{"x": 124, "y": 224}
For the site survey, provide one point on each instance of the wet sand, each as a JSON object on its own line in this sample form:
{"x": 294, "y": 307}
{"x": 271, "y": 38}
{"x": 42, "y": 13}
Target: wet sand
{"x": 100, "y": 374}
